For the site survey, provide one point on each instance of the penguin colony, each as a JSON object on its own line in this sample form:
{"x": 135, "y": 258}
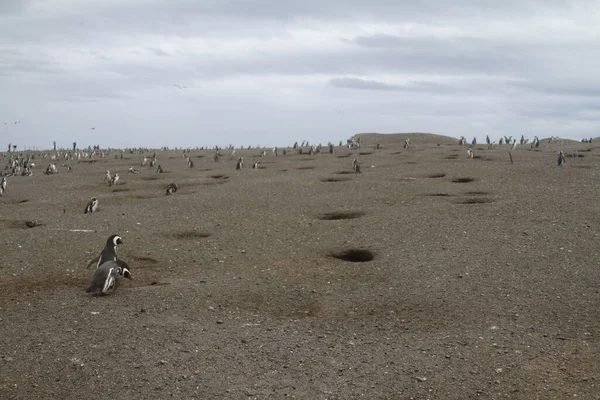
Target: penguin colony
{"x": 108, "y": 268}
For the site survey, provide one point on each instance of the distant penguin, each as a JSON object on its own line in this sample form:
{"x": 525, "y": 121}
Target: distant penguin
{"x": 159, "y": 170}
{"x": 109, "y": 252}
{"x": 92, "y": 206}
{"x": 107, "y": 177}
{"x": 355, "y": 166}
{"x": 240, "y": 164}
{"x": 255, "y": 165}
{"x": 106, "y": 277}
{"x": 3, "y": 184}
{"x": 172, "y": 188}
{"x": 190, "y": 163}
{"x": 114, "y": 180}
{"x": 561, "y": 159}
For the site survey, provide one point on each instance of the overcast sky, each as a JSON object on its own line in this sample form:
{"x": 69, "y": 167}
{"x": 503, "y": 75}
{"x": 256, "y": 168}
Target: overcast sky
{"x": 272, "y": 72}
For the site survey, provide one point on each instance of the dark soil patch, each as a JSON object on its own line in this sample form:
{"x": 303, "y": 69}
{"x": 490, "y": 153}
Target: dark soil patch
{"x": 476, "y": 200}
{"x": 353, "y": 255}
{"x": 438, "y": 175}
{"x": 411, "y": 162}
{"x": 189, "y": 235}
{"x": 19, "y": 224}
{"x": 366, "y": 153}
{"x": 87, "y": 161}
{"x": 306, "y": 167}
{"x": 439, "y": 195}
{"x": 344, "y": 156}
{"x": 463, "y": 180}
{"x": 344, "y": 172}
{"x": 451, "y": 157}
{"x": 219, "y": 176}
{"x": 576, "y": 155}
{"x": 477, "y": 193}
{"x": 335, "y": 216}
{"x": 150, "y": 177}
{"x": 205, "y": 169}
{"x": 13, "y": 288}
{"x": 144, "y": 260}
{"x": 334, "y": 179}
{"x": 121, "y": 190}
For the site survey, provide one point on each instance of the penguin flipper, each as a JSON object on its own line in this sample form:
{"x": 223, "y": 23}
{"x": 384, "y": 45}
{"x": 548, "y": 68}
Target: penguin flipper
{"x": 93, "y": 261}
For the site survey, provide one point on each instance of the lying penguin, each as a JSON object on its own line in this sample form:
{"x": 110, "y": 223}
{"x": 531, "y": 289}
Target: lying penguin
{"x": 107, "y": 276}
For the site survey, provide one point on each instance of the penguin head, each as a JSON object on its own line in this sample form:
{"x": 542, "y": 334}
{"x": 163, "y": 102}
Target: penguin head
{"x": 114, "y": 240}
{"x": 126, "y": 273}
{"x": 94, "y": 199}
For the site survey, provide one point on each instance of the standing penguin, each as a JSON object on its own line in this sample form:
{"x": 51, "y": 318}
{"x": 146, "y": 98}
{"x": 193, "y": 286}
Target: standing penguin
{"x": 3, "y": 186}
{"x": 240, "y": 164}
{"x": 561, "y": 159}
{"x": 255, "y": 165}
{"x": 114, "y": 180}
{"x": 107, "y": 177}
{"x": 109, "y": 252}
{"x": 92, "y": 206}
{"x": 106, "y": 277}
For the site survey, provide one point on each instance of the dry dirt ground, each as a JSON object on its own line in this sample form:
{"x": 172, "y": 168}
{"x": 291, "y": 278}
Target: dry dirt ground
{"x": 484, "y": 281}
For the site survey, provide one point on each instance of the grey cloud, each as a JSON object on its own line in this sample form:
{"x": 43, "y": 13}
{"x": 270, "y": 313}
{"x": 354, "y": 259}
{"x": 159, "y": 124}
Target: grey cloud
{"x": 413, "y": 86}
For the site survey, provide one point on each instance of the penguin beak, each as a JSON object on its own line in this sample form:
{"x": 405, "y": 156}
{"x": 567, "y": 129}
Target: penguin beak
{"x": 127, "y": 274}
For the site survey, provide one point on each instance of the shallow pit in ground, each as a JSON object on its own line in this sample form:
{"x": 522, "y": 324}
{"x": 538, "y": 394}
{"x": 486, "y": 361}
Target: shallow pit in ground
{"x": 188, "y": 235}
{"x": 353, "y": 255}
{"x": 463, "y": 180}
{"x": 475, "y": 200}
{"x": 335, "y": 179}
{"x": 338, "y": 215}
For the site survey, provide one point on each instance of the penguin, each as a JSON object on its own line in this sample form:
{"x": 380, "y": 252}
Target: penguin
{"x": 159, "y": 170}
{"x": 107, "y": 177}
{"x": 240, "y": 164}
{"x": 255, "y": 165}
{"x": 106, "y": 277}
{"x": 190, "y": 163}
{"x": 354, "y": 165}
{"x": 172, "y": 188}
{"x": 561, "y": 159}
{"x": 3, "y": 184}
{"x": 470, "y": 152}
{"x": 92, "y": 206}
{"x": 109, "y": 252}
{"x": 114, "y": 180}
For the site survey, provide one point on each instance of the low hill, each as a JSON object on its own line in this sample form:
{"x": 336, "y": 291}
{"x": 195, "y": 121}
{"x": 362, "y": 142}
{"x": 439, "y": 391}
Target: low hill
{"x": 371, "y": 139}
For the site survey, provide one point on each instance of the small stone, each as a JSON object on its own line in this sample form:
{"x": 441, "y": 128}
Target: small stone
{"x": 219, "y": 321}
{"x": 421, "y": 379}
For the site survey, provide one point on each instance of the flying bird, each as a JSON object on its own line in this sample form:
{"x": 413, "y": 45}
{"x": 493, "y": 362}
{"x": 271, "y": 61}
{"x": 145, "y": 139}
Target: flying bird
{"x": 93, "y": 128}
{"x": 181, "y": 87}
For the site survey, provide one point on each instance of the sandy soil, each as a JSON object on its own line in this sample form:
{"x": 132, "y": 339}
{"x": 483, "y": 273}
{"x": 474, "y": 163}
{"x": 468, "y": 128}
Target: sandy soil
{"x": 486, "y": 287}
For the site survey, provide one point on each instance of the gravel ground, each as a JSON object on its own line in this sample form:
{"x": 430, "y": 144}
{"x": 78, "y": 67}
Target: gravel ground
{"x": 244, "y": 285}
